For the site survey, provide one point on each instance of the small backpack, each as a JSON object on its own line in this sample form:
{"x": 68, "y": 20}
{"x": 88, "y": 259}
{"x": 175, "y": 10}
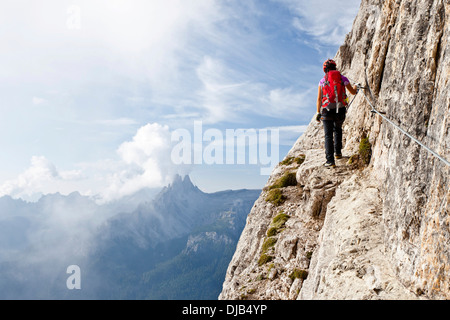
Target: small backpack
{"x": 333, "y": 87}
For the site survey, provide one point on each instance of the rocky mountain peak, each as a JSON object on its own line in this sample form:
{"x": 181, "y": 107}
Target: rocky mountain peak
{"x": 182, "y": 184}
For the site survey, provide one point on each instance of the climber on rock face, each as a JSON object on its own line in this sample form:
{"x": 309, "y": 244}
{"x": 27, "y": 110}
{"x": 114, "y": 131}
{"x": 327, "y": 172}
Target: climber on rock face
{"x": 332, "y": 108}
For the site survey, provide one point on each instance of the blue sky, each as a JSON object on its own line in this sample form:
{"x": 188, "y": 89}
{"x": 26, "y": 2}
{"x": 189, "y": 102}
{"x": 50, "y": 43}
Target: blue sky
{"x": 91, "y": 91}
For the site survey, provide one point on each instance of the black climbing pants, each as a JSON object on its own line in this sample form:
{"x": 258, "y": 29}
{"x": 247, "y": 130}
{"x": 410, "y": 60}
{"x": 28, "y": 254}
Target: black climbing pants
{"x": 333, "y": 138}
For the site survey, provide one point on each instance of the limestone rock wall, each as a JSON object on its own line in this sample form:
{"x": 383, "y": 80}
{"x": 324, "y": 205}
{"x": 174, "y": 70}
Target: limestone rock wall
{"x": 407, "y": 68}
{"x": 365, "y": 231}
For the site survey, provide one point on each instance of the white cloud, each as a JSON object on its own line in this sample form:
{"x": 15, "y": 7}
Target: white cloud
{"x": 289, "y": 134}
{"x": 151, "y": 140}
{"x": 145, "y": 37}
{"x": 41, "y": 177}
{"x": 328, "y": 21}
{"x": 287, "y": 102}
{"x": 228, "y": 95}
{"x": 117, "y": 122}
{"x": 223, "y": 94}
{"x": 145, "y": 162}
{"x": 118, "y": 44}
{"x": 38, "y": 101}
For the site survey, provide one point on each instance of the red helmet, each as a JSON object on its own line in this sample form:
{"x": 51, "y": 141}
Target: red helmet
{"x": 327, "y": 64}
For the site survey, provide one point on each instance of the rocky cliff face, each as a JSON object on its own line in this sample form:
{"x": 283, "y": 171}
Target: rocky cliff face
{"x": 377, "y": 226}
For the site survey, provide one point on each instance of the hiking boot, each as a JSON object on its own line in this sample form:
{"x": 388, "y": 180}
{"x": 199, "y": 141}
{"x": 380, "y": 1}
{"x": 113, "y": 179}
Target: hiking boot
{"x": 338, "y": 156}
{"x": 329, "y": 165}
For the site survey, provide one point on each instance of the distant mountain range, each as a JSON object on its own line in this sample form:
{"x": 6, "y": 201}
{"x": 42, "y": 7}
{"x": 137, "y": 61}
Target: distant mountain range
{"x": 175, "y": 245}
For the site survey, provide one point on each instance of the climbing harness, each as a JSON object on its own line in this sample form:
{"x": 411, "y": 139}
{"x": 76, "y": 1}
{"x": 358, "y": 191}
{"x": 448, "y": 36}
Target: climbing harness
{"x": 382, "y": 114}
